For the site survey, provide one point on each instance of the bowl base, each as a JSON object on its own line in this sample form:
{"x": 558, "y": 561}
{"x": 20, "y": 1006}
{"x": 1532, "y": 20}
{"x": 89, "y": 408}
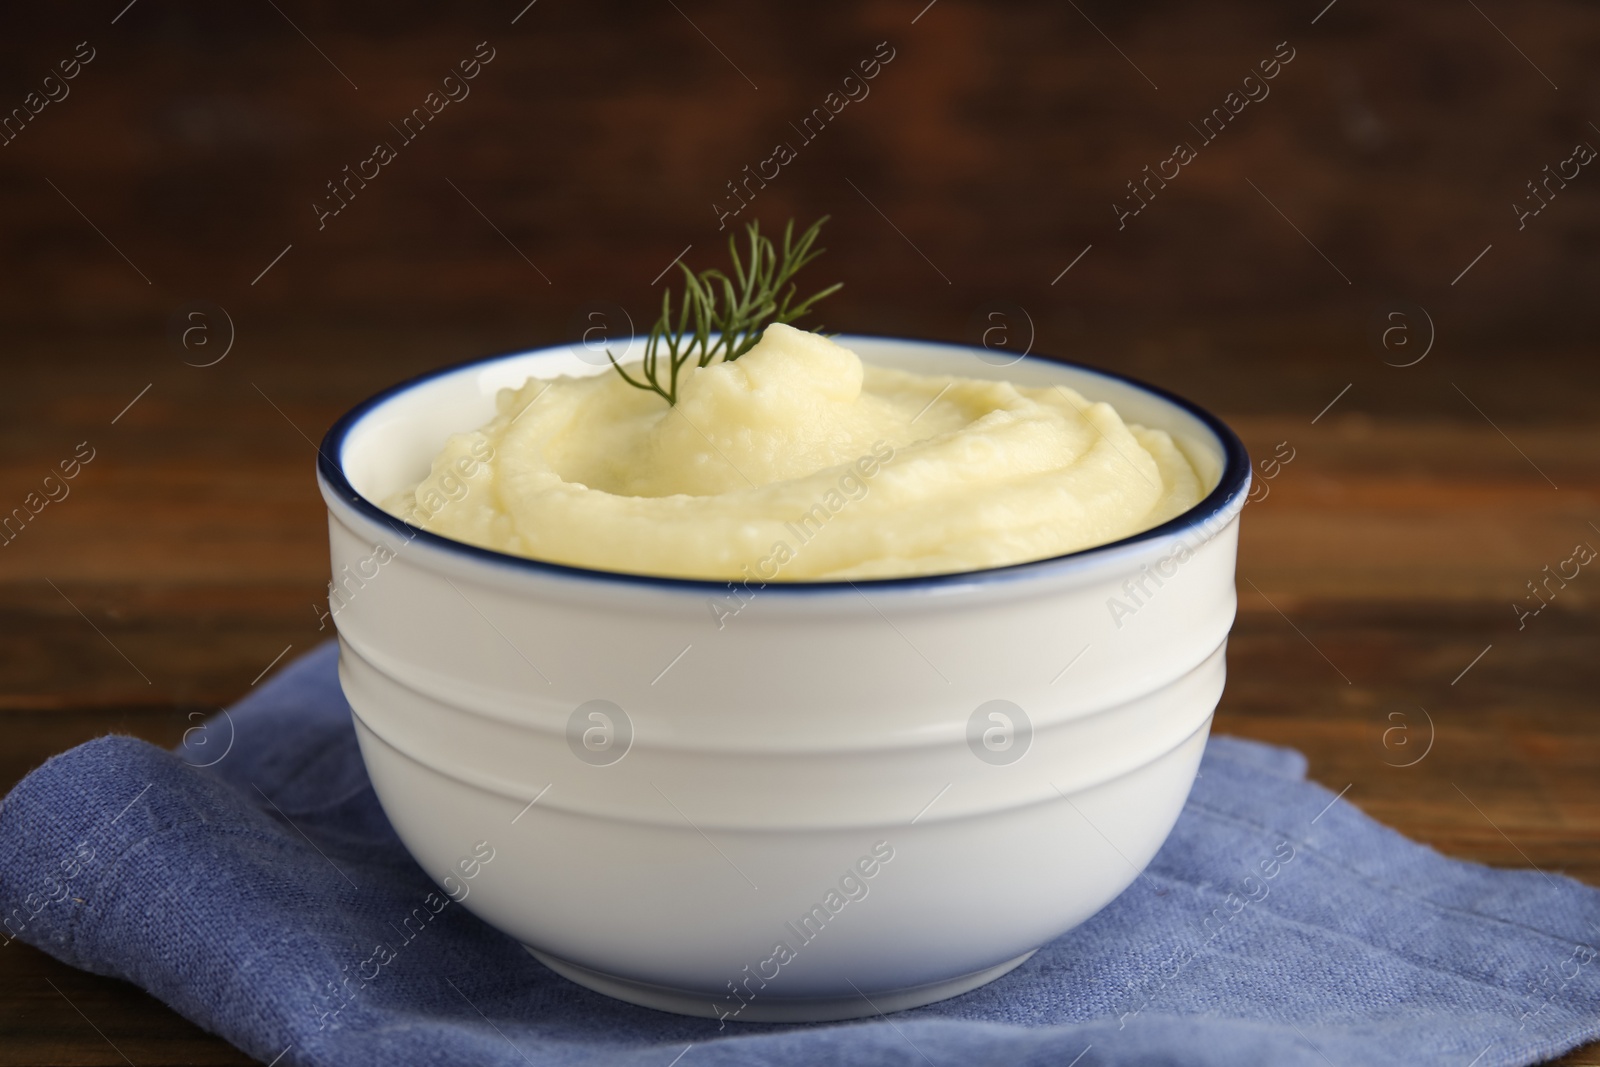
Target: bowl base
{"x": 773, "y": 1009}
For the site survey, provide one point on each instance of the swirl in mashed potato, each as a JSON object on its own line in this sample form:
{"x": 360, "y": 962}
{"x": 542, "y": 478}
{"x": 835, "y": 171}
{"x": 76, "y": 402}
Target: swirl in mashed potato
{"x": 797, "y": 462}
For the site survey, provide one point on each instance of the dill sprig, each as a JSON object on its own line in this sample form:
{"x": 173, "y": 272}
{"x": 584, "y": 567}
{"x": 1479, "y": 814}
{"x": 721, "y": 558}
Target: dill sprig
{"x": 722, "y": 316}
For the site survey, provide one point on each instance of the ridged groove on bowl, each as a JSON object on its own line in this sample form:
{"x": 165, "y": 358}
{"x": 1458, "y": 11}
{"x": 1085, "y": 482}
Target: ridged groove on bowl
{"x": 779, "y": 789}
{"x": 869, "y": 673}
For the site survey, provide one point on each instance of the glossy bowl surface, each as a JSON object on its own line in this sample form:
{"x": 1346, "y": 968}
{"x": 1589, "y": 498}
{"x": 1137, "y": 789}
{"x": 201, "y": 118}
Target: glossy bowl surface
{"x": 794, "y": 801}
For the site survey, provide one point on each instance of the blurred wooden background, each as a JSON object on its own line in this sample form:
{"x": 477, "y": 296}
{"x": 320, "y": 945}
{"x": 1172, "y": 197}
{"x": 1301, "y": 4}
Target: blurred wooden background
{"x": 1376, "y": 581}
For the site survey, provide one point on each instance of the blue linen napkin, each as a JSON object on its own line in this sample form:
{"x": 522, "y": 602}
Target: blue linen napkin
{"x": 1278, "y": 925}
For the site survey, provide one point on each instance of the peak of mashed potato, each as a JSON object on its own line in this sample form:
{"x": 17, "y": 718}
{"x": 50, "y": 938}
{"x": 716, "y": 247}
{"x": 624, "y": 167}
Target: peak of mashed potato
{"x": 797, "y": 462}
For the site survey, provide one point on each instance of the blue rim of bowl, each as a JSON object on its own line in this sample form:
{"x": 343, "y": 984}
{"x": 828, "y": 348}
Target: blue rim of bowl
{"x": 1232, "y": 484}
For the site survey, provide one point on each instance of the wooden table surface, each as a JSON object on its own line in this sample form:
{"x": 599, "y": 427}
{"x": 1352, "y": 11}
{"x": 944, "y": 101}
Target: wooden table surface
{"x": 1433, "y": 477}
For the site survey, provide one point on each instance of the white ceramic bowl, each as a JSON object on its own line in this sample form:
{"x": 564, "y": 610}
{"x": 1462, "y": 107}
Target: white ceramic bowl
{"x": 845, "y": 798}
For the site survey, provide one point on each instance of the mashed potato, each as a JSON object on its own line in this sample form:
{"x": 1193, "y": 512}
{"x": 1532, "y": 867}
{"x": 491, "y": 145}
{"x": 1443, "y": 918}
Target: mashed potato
{"x": 799, "y": 463}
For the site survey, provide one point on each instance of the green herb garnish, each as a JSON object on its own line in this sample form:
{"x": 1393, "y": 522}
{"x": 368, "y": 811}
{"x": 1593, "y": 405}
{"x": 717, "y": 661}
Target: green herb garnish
{"x": 735, "y": 309}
